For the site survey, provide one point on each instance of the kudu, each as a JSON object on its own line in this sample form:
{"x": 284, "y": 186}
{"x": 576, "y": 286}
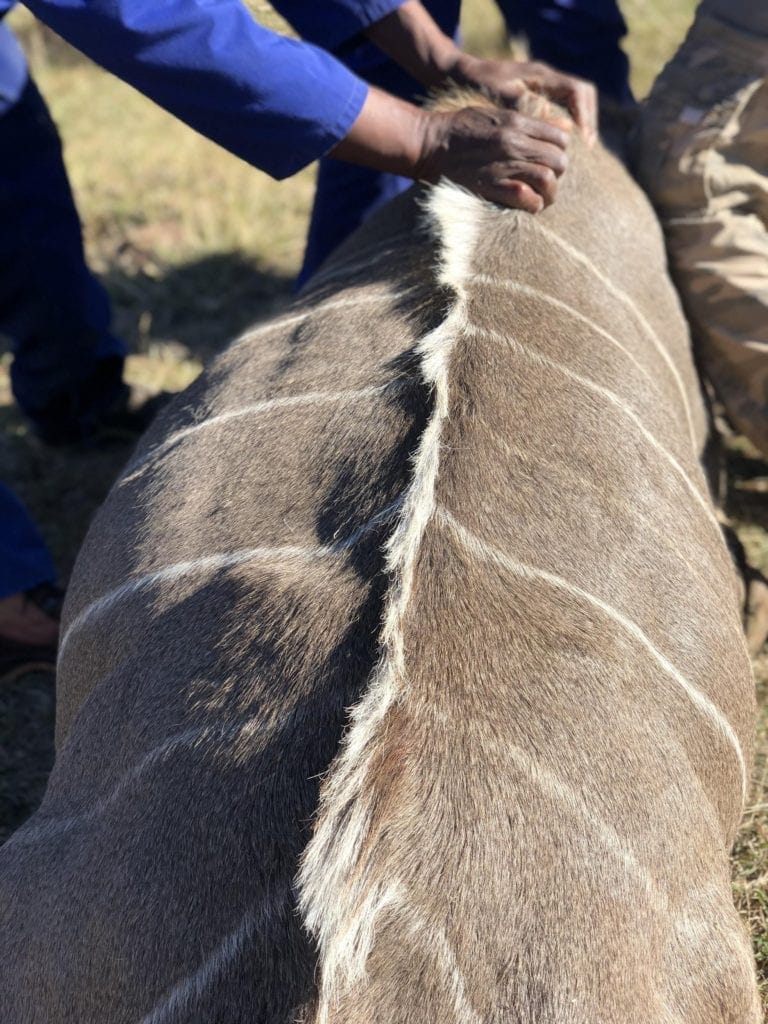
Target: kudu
{"x": 456, "y": 488}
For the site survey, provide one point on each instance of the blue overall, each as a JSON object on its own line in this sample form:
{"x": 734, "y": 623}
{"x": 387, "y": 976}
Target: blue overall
{"x": 277, "y": 103}
{"x": 581, "y": 37}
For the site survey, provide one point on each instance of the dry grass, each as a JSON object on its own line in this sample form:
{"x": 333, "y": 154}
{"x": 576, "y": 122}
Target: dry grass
{"x": 750, "y": 857}
{"x": 193, "y": 245}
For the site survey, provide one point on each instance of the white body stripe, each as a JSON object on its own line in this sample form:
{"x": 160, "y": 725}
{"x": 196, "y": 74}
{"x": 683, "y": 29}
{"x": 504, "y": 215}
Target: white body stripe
{"x": 536, "y": 293}
{"x": 488, "y": 552}
{"x": 616, "y": 401}
{"x": 223, "y": 561}
{"x": 236, "y": 740}
{"x": 629, "y": 304}
{"x": 135, "y": 469}
{"x": 50, "y": 828}
{"x": 433, "y": 938}
{"x": 290, "y": 319}
{"x": 598, "y": 829}
{"x": 186, "y": 994}
{"x": 362, "y": 260}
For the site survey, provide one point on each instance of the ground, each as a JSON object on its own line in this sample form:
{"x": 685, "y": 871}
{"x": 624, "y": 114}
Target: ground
{"x": 193, "y": 245}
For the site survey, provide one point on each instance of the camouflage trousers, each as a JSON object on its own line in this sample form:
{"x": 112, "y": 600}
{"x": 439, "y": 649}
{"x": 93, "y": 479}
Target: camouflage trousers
{"x": 702, "y": 156}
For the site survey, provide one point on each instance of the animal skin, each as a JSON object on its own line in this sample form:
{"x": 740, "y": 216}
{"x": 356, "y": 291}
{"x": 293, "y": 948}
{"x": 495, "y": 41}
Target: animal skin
{"x": 456, "y": 489}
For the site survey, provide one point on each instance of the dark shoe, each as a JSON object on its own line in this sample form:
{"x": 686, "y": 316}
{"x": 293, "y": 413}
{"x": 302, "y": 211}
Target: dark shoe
{"x": 29, "y": 630}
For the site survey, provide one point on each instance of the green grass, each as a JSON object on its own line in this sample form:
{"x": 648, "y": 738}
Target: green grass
{"x": 193, "y": 246}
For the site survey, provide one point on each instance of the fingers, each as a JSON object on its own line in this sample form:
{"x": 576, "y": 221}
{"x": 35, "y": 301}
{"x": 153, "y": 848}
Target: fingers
{"x": 540, "y": 180}
{"x": 499, "y": 154}
{"x": 535, "y": 153}
{"x": 581, "y": 100}
{"x": 550, "y": 135}
{"x": 516, "y": 194}
{"x": 577, "y": 96}
{"x": 507, "y": 80}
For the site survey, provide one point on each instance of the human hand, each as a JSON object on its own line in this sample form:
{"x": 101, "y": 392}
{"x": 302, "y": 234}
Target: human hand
{"x": 499, "y": 154}
{"x": 508, "y": 80}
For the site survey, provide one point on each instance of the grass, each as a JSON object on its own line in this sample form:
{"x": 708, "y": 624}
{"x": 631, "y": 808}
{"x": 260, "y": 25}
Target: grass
{"x": 193, "y": 245}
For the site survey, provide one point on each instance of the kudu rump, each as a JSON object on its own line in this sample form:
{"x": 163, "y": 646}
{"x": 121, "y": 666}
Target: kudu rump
{"x": 456, "y": 488}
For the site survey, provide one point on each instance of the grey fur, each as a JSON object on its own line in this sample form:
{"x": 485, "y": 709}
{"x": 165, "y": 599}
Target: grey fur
{"x": 546, "y": 812}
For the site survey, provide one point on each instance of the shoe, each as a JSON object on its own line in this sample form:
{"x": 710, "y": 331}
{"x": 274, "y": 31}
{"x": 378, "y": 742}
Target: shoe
{"x": 29, "y": 630}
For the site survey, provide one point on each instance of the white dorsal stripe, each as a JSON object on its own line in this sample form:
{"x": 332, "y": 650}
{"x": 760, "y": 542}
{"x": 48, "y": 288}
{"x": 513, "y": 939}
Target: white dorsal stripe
{"x": 136, "y": 469}
{"x": 482, "y": 549}
{"x": 335, "y": 898}
{"x": 537, "y": 293}
{"x": 629, "y": 304}
{"x": 616, "y": 401}
{"x": 224, "y": 560}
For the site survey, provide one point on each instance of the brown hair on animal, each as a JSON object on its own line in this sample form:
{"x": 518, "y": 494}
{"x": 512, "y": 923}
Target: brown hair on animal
{"x": 456, "y": 488}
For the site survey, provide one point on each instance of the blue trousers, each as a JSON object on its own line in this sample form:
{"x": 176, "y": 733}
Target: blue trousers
{"x": 581, "y": 37}
{"x": 67, "y": 366}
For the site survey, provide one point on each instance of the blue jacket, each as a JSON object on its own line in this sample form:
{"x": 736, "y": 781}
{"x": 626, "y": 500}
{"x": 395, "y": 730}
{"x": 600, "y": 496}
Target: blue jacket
{"x": 275, "y": 102}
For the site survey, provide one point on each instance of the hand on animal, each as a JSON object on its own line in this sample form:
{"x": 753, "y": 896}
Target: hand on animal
{"x": 499, "y": 154}
{"x": 509, "y": 80}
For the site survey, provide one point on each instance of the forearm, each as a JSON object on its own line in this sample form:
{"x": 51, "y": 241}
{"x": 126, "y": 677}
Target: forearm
{"x": 388, "y": 134}
{"x": 411, "y": 37}
{"x": 275, "y": 102}
{"x": 499, "y": 154}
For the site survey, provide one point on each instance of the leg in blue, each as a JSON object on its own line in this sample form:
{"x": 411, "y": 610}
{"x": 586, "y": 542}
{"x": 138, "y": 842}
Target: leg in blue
{"x": 67, "y": 366}
{"x": 347, "y": 195}
{"x": 25, "y": 561}
{"x": 581, "y": 37}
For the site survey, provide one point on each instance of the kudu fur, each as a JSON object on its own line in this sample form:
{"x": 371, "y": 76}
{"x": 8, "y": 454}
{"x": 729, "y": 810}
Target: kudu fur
{"x": 456, "y": 489}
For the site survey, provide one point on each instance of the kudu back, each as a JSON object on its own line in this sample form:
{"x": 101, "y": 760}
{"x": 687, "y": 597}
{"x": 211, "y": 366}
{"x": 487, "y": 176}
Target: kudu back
{"x": 455, "y": 489}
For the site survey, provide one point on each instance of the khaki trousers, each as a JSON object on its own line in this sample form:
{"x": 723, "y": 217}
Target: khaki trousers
{"x": 702, "y": 156}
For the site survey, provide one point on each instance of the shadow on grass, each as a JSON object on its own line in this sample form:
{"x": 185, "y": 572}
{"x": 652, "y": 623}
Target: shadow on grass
{"x": 200, "y": 306}
{"x": 175, "y": 314}
{"x": 747, "y": 495}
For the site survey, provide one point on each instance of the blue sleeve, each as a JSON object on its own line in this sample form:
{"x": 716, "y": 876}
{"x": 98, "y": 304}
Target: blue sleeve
{"x": 277, "y": 103}
{"x": 333, "y": 22}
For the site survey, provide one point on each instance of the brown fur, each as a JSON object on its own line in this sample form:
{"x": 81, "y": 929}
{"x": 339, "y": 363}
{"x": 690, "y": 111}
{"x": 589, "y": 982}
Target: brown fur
{"x": 536, "y": 828}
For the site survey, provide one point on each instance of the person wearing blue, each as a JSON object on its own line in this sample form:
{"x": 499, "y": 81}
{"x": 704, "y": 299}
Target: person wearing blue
{"x": 275, "y": 102}
{"x": 580, "y": 37}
